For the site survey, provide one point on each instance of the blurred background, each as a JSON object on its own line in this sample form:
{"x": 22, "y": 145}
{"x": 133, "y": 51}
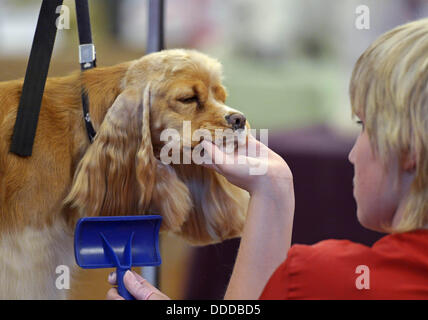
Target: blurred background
{"x": 287, "y": 66}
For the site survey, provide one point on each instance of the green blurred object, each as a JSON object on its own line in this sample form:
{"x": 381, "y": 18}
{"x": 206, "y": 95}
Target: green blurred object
{"x": 285, "y": 95}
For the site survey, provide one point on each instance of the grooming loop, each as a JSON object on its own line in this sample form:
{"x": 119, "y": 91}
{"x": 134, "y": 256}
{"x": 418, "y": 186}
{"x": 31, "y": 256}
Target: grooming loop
{"x": 87, "y": 55}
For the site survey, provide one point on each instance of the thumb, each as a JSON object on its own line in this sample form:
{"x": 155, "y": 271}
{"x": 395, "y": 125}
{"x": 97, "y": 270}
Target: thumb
{"x": 139, "y": 289}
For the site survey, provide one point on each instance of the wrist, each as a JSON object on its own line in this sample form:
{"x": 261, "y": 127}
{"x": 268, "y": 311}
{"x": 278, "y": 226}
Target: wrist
{"x": 273, "y": 186}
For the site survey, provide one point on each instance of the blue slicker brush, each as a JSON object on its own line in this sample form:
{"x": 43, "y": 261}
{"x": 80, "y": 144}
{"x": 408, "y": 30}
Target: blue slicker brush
{"x": 118, "y": 242}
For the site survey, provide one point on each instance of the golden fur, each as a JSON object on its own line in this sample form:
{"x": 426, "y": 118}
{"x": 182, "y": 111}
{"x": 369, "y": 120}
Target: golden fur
{"x": 120, "y": 173}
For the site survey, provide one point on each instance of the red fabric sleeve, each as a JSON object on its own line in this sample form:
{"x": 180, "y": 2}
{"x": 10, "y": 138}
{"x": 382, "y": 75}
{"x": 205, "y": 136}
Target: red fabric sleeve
{"x": 278, "y": 284}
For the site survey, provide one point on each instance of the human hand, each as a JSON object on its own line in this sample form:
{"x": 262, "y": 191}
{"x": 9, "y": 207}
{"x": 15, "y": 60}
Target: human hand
{"x": 137, "y": 286}
{"x": 239, "y": 168}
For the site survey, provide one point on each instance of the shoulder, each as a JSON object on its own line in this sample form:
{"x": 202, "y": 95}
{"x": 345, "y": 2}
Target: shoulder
{"x": 327, "y": 250}
{"x": 333, "y": 257}
{"x": 310, "y": 271}
{"x": 342, "y": 269}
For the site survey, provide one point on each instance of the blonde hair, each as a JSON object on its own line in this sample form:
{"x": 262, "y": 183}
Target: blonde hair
{"x": 389, "y": 89}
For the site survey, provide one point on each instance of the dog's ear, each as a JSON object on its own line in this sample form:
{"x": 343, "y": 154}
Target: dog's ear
{"x": 219, "y": 207}
{"x": 116, "y": 174}
{"x": 171, "y": 198}
{"x": 161, "y": 190}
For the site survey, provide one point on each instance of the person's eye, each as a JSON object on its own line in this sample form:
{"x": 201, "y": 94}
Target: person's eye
{"x": 359, "y": 122}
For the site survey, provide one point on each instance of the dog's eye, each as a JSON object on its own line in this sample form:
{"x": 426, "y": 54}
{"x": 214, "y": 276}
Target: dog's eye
{"x": 189, "y": 100}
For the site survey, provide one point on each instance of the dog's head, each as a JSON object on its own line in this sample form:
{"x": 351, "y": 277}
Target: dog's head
{"x": 172, "y": 98}
{"x": 186, "y": 94}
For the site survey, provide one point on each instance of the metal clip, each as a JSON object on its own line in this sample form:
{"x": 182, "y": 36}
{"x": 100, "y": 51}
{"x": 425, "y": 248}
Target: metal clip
{"x": 86, "y": 53}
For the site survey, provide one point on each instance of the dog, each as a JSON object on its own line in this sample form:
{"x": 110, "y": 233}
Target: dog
{"x": 120, "y": 173}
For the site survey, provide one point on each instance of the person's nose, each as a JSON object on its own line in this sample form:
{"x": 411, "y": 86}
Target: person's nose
{"x": 236, "y": 120}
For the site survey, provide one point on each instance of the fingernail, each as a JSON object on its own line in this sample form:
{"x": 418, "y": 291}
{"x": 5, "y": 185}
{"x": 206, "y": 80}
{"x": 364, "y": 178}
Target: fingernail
{"x": 131, "y": 279}
{"x": 129, "y": 275}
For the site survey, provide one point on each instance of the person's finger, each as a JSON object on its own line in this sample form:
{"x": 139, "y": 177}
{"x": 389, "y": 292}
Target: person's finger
{"x": 253, "y": 141}
{"x": 112, "y": 278}
{"x": 138, "y": 288}
{"x": 156, "y": 294}
{"x": 138, "y": 276}
{"x": 147, "y": 283}
{"x": 112, "y": 294}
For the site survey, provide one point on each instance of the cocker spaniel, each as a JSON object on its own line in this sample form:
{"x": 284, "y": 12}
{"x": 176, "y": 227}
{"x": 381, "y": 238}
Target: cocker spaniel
{"x": 121, "y": 172}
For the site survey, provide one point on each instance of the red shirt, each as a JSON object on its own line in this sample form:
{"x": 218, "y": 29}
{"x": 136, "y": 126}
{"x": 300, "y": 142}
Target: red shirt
{"x": 395, "y": 267}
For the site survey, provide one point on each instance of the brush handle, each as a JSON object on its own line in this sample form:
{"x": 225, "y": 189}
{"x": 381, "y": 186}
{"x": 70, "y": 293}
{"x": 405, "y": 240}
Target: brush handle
{"x": 121, "y": 289}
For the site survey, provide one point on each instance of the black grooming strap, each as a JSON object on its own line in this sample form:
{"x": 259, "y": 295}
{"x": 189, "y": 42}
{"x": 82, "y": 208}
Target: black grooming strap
{"x": 38, "y": 66}
{"x": 87, "y": 57}
{"x": 35, "y": 79}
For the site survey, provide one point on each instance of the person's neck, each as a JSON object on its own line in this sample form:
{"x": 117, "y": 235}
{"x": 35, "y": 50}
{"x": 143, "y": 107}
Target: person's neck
{"x": 406, "y": 182}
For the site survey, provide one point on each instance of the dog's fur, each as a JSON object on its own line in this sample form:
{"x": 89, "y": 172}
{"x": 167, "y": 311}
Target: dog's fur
{"x": 42, "y": 196}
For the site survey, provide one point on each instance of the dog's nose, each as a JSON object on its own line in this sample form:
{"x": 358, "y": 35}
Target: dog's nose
{"x": 236, "y": 120}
